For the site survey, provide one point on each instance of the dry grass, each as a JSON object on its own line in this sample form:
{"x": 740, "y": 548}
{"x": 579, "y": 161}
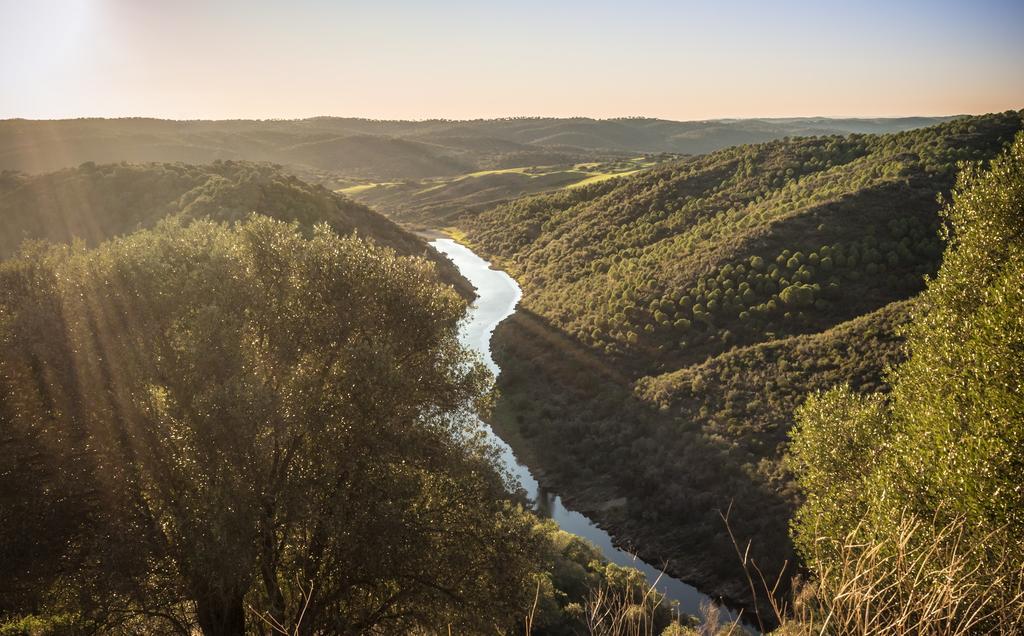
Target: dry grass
{"x": 615, "y": 612}
{"x": 924, "y": 580}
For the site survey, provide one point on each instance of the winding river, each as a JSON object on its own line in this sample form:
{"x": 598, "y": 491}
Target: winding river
{"x": 497, "y": 297}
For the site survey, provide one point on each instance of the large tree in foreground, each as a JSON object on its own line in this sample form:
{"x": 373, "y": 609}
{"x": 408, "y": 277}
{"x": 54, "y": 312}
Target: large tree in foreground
{"x": 931, "y": 478}
{"x": 220, "y": 418}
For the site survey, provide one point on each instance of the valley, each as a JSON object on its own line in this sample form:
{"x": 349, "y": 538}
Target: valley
{"x": 660, "y": 349}
{"x": 511, "y": 319}
{"x": 655, "y": 323}
{"x": 496, "y": 298}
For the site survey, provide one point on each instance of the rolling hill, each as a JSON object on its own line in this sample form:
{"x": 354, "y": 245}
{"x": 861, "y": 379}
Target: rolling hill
{"x": 95, "y": 202}
{"x": 439, "y": 201}
{"x": 421, "y": 173}
{"x": 673, "y": 319}
{"x": 387, "y": 150}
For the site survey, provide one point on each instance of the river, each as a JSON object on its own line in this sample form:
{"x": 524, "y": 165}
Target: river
{"x": 497, "y": 297}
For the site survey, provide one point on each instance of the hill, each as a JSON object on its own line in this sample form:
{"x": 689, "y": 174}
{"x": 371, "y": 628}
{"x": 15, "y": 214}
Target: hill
{"x": 439, "y": 201}
{"x": 674, "y": 318}
{"x": 215, "y": 399}
{"x": 336, "y": 148}
{"x": 689, "y": 259}
{"x": 95, "y": 202}
{"x": 350, "y": 148}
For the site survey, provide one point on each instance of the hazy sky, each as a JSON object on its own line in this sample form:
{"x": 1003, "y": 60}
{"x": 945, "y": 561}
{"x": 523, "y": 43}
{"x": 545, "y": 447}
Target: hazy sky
{"x": 413, "y": 60}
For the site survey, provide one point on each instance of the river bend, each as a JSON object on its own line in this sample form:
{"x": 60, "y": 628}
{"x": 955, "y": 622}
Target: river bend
{"x": 497, "y": 297}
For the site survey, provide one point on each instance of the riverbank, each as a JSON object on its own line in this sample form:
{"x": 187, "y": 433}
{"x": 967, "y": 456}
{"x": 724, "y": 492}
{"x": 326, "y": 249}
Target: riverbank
{"x": 526, "y": 389}
{"x": 497, "y": 297}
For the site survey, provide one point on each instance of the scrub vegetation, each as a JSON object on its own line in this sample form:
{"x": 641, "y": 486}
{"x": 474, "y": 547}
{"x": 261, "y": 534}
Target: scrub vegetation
{"x": 232, "y": 402}
{"x": 673, "y": 320}
{"x": 441, "y": 201}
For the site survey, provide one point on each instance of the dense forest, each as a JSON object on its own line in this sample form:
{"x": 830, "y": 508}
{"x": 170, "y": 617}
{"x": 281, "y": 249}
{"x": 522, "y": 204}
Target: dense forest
{"x": 672, "y": 320}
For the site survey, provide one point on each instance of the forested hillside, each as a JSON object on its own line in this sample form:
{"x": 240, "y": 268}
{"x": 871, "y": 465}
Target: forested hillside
{"x": 242, "y": 413}
{"x": 787, "y": 237}
{"x": 698, "y": 303}
{"x": 96, "y": 202}
{"x": 911, "y": 520}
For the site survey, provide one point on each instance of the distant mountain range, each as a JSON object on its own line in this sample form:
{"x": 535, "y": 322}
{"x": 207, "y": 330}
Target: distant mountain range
{"x": 331, "y": 147}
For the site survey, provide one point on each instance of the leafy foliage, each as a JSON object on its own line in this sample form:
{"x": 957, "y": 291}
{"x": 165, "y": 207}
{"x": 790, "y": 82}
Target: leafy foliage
{"x": 947, "y": 446}
{"x": 237, "y": 416}
{"x": 96, "y": 202}
{"x": 579, "y": 592}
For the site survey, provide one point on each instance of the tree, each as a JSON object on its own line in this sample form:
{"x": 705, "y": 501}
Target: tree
{"x": 833, "y": 454}
{"x": 274, "y": 421}
{"x": 947, "y": 447}
{"x": 797, "y": 295}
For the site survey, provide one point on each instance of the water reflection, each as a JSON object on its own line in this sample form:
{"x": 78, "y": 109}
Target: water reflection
{"x": 544, "y": 503}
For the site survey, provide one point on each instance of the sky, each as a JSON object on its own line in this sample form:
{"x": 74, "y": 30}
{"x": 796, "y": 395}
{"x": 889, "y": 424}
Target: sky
{"x": 382, "y": 59}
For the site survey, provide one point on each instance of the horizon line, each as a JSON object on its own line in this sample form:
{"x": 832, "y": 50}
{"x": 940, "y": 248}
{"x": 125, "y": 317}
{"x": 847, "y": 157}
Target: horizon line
{"x": 495, "y": 118}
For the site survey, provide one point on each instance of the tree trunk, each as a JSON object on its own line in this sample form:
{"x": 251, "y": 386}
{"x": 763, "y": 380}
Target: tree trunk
{"x": 221, "y": 616}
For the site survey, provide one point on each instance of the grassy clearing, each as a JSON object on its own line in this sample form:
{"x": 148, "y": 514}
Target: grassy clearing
{"x": 603, "y": 176}
{"x": 456, "y": 235}
{"x": 529, "y": 171}
{"x": 362, "y": 187}
{"x": 433, "y": 185}
{"x": 436, "y": 186}
{"x": 439, "y": 198}
{"x": 590, "y": 172}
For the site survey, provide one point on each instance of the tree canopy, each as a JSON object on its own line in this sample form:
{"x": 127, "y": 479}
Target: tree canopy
{"x": 218, "y": 416}
{"x": 947, "y": 445}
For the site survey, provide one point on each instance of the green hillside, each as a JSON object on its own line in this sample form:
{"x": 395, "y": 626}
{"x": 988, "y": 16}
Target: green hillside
{"x": 96, "y": 202}
{"x": 673, "y": 319}
{"x": 440, "y": 201}
{"x": 386, "y": 150}
{"x": 690, "y": 259}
